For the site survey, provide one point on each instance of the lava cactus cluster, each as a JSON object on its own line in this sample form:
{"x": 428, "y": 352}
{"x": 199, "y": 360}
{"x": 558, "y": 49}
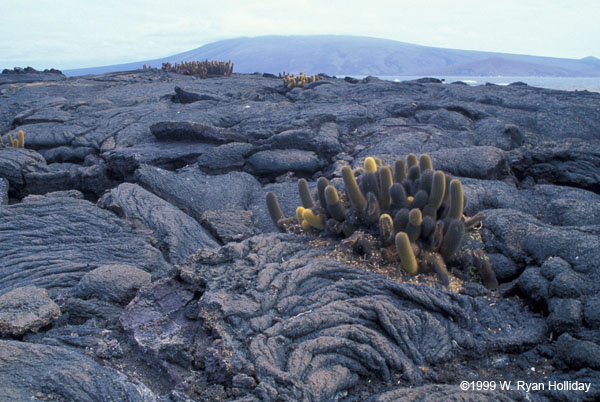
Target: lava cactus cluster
{"x": 18, "y": 142}
{"x": 203, "y": 69}
{"x": 290, "y": 81}
{"x": 415, "y": 212}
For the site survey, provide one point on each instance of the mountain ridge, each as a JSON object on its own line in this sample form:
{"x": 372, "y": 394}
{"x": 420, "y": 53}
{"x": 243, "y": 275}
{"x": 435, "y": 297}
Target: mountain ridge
{"x": 360, "y": 55}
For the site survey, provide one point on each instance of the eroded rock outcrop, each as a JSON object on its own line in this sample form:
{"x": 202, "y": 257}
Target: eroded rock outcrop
{"x": 52, "y": 242}
{"x": 26, "y": 309}
{"x": 306, "y": 327}
{"x": 178, "y": 234}
{"x": 29, "y": 370}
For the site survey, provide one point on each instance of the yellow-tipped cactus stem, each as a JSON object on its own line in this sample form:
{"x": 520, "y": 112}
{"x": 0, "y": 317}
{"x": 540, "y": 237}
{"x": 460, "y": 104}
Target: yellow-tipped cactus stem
{"x": 9, "y": 139}
{"x": 357, "y": 199}
{"x": 334, "y": 206}
{"x": 386, "y": 229}
{"x": 370, "y": 165}
{"x": 413, "y": 229}
{"x": 322, "y": 183}
{"x": 386, "y": 180}
{"x": 304, "y": 191}
{"x": 456, "y": 200}
{"x": 438, "y": 188}
{"x": 331, "y": 195}
{"x": 425, "y": 162}
{"x": 21, "y": 139}
{"x": 299, "y": 212}
{"x": 405, "y": 251}
{"x": 314, "y": 220}
{"x": 305, "y": 225}
{"x": 415, "y": 218}
{"x": 411, "y": 160}
{"x": 399, "y": 171}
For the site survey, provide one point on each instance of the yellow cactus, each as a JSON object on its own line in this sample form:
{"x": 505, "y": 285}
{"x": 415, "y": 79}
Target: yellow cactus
{"x": 290, "y": 81}
{"x": 314, "y": 220}
{"x": 21, "y": 141}
{"x": 370, "y": 164}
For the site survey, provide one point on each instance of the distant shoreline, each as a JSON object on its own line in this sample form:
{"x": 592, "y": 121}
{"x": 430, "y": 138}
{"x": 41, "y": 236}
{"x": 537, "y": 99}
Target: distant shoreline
{"x": 591, "y": 84}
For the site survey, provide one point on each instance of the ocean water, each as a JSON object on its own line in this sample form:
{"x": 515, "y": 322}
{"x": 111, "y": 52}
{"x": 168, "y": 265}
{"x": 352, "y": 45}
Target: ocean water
{"x": 563, "y": 83}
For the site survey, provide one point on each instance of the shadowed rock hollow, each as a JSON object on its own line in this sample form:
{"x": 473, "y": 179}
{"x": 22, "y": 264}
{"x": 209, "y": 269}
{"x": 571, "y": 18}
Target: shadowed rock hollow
{"x": 135, "y": 220}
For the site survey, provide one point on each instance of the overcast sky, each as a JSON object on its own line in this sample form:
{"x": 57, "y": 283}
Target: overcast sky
{"x": 86, "y": 33}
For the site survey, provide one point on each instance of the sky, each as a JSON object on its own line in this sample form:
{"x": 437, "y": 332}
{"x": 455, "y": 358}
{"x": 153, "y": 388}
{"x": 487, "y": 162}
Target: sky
{"x": 87, "y": 33}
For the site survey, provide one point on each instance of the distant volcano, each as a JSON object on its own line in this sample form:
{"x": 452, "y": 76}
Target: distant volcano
{"x": 359, "y": 55}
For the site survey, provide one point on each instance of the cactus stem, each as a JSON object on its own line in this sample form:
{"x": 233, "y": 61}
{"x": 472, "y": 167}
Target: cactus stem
{"x": 405, "y": 251}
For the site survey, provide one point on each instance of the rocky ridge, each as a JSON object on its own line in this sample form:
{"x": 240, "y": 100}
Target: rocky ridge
{"x": 139, "y": 261}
